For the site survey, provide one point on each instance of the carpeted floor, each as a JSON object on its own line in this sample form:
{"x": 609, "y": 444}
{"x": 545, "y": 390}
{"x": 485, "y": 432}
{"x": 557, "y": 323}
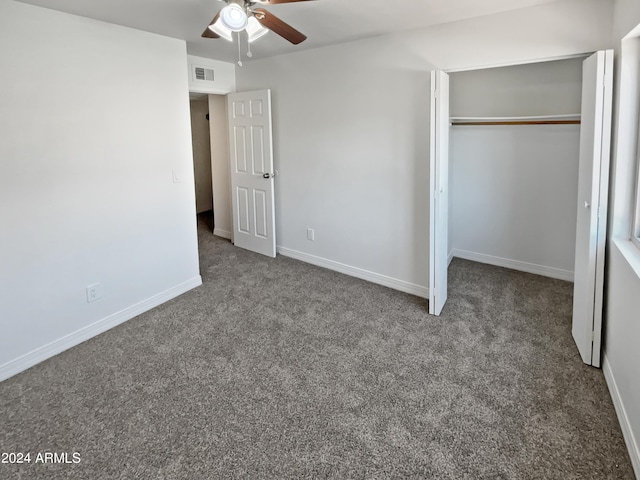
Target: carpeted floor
{"x": 279, "y": 369}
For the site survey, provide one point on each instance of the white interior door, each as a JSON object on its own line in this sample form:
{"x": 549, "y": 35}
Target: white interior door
{"x": 439, "y": 189}
{"x": 252, "y": 174}
{"x": 593, "y": 181}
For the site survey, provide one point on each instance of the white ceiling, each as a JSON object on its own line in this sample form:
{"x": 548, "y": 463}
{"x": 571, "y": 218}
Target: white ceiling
{"x": 325, "y": 22}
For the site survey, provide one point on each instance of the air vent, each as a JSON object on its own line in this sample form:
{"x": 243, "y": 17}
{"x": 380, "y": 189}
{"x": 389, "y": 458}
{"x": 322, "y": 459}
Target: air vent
{"x": 201, "y": 73}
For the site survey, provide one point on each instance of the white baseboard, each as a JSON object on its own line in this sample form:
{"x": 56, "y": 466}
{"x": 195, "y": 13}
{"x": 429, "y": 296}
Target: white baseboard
{"x": 49, "y": 350}
{"x": 450, "y": 259}
{"x": 515, "y": 265}
{"x": 627, "y": 431}
{"x": 372, "y": 277}
{"x": 222, "y": 233}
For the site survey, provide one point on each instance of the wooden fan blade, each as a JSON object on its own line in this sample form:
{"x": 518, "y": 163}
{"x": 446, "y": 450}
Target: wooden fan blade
{"x": 276, "y": 25}
{"x": 274, "y": 2}
{"x": 208, "y": 33}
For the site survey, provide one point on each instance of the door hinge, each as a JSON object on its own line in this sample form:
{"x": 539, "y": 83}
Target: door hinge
{"x": 593, "y": 336}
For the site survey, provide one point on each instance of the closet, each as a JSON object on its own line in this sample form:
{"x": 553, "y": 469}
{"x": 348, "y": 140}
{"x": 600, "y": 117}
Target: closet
{"x": 513, "y": 166}
{"x": 519, "y": 175}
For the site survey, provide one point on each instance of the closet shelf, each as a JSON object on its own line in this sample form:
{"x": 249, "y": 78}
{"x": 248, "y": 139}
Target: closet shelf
{"x": 571, "y": 119}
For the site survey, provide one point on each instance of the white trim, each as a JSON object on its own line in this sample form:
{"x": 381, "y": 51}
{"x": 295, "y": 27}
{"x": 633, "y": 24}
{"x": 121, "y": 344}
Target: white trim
{"x": 635, "y": 227}
{"x": 208, "y": 91}
{"x": 49, "y": 350}
{"x": 450, "y": 258}
{"x": 515, "y": 265}
{"x": 630, "y": 253}
{"x": 625, "y": 424}
{"x": 518, "y": 62}
{"x": 222, "y": 233}
{"x": 372, "y": 277}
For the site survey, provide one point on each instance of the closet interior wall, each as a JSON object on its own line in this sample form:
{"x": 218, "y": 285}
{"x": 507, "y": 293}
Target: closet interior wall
{"x": 201, "y": 152}
{"x": 513, "y": 188}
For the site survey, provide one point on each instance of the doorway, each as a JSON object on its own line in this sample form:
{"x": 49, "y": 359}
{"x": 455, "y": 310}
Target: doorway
{"x": 211, "y": 162}
{"x": 514, "y": 179}
{"x": 201, "y": 147}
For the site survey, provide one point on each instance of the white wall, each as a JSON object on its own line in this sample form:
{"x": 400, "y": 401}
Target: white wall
{"x": 201, "y": 154}
{"x": 543, "y": 88}
{"x": 222, "y": 216}
{"x": 513, "y": 192}
{"x": 351, "y": 148}
{"x": 622, "y": 321}
{"x": 94, "y": 119}
{"x": 351, "y": 131}
{"x": 545, "y": 31}
{"x": 621, "y": 363}
{"x": 625, "y": 18}
{"x": 224, "y": 76}
{"x": 513, "y": 189}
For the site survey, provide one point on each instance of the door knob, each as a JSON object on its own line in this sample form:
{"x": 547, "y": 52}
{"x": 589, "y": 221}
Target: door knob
{"x": 268, "y": 175}
{"x": 587, "y": 205}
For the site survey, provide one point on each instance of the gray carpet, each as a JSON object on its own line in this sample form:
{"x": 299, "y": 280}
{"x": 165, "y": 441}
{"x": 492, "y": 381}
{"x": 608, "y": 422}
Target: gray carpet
{"x": 278, "y": 369}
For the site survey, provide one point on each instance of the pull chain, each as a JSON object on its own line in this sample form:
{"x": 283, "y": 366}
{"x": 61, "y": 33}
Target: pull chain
{"x": 239, "y": 51}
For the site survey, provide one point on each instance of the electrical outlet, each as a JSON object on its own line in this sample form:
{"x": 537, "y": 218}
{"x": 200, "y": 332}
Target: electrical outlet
{"x": 93, "y": 292}
{"x": 311, "y": 234}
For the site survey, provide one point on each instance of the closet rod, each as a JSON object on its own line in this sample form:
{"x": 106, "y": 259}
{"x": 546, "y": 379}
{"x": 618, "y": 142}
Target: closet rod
{"x": 566, "y": 119}
{"x": 525, "y": 122}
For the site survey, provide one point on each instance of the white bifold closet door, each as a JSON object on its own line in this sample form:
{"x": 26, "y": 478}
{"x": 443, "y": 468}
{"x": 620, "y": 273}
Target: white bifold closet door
{"x": 439, "y": 191}
{"x": 593, "y": 181}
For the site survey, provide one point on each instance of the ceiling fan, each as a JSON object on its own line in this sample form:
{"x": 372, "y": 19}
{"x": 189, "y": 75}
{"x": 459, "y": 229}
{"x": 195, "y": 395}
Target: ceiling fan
{"x": 239, "y": 15}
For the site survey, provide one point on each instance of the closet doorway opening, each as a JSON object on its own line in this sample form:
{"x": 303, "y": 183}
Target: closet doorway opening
{"x": 201, "y": 146}
{"x": 526, "y": 174}
{"x": 513, "y": 182}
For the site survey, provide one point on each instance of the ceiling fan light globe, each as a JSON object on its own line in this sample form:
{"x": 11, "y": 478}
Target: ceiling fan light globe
{"x": 234, "y": 17}
{"x": 255, "y": 30}
{"x": 221, "y": 30}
